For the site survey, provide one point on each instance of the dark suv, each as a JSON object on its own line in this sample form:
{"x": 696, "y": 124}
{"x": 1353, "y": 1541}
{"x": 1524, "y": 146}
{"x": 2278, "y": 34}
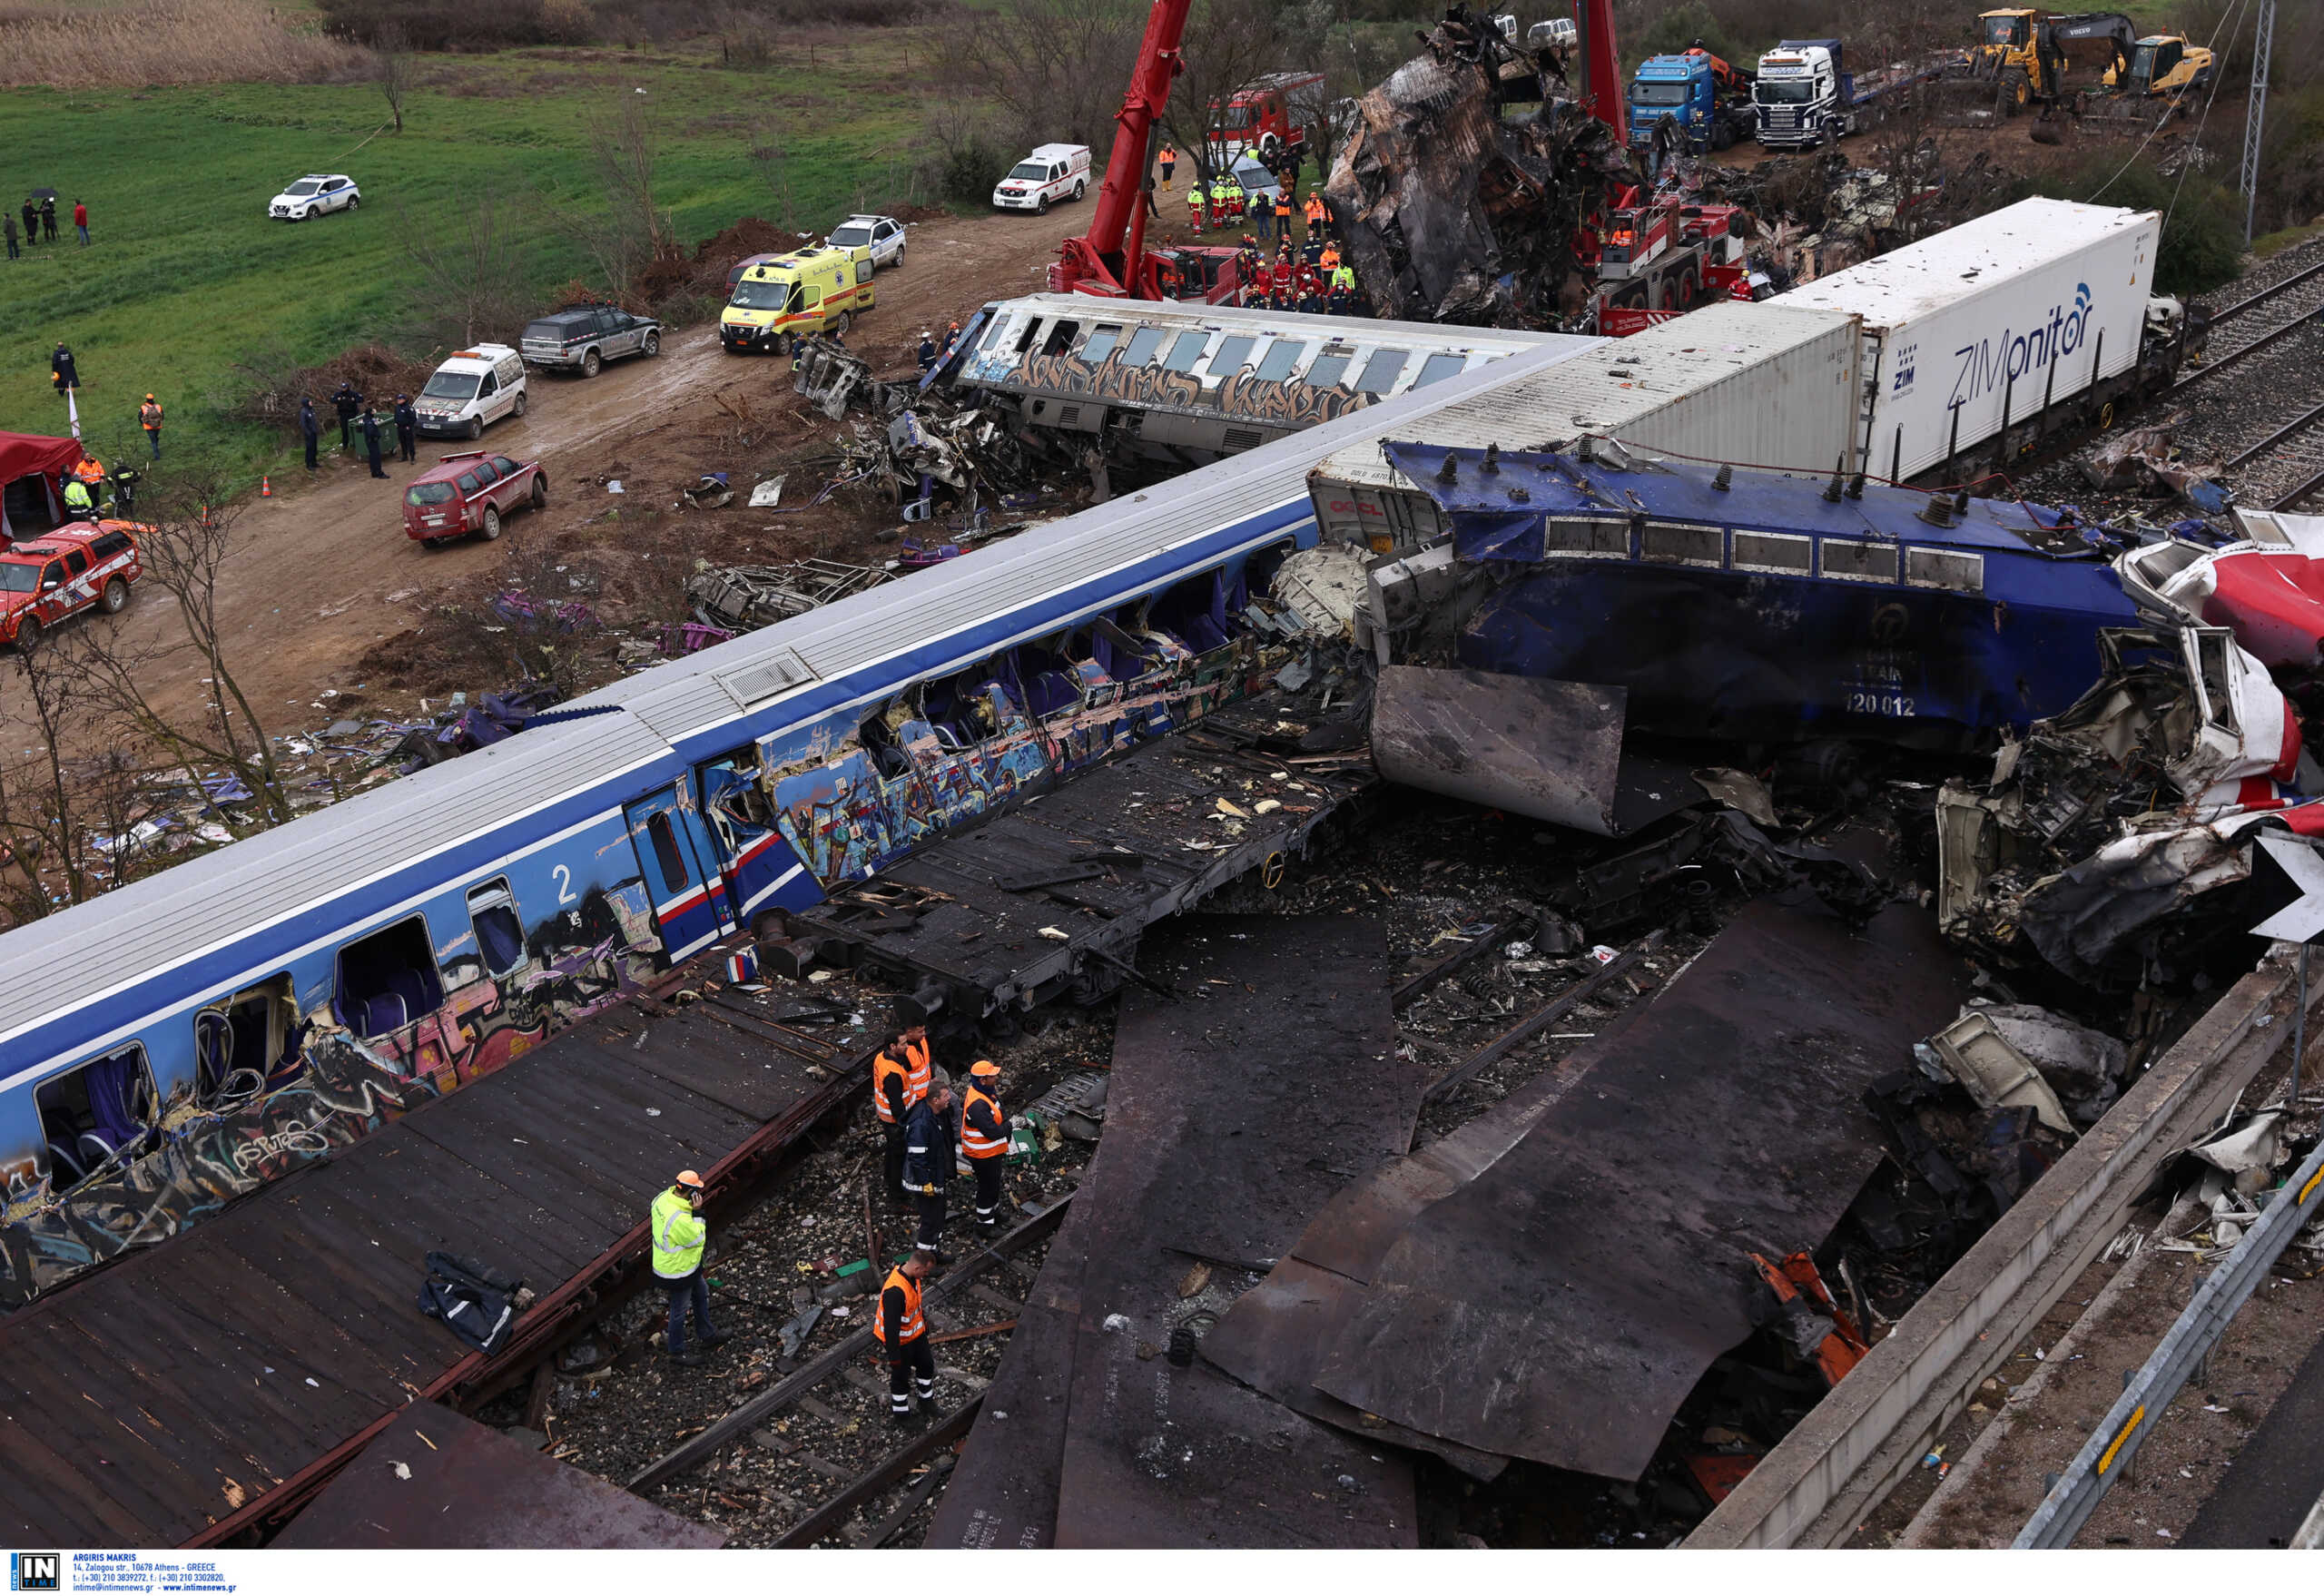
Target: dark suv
{"x": 585, "y": 336}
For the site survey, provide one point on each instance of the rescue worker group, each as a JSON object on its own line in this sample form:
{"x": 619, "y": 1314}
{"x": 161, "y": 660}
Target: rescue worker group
{"x": 925, "y": 1132}
{"x": 1307, "y": 276}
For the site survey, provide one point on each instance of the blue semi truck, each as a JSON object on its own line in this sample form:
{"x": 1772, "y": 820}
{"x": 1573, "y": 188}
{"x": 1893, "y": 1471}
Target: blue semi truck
{"x": 1707, "y": 101}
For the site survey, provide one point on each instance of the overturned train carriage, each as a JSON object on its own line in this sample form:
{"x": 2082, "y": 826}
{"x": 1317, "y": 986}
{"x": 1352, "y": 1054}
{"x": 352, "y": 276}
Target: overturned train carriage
{"x": 171, "y": 1045}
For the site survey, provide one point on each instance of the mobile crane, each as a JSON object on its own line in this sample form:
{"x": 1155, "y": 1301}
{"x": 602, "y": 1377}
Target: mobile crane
{"x": 1111, "y": 259}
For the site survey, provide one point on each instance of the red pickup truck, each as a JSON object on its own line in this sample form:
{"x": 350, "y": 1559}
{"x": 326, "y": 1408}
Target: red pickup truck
{"x": 80, "y": 566}
{"x": 469, "y": 493}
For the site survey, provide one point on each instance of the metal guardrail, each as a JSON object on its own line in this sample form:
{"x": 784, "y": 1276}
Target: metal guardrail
{"x": 2106, "y": 1456}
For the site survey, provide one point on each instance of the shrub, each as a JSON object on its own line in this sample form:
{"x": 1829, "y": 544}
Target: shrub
{"x": 167, "y": 42}
{"x": 2203, "y": 230}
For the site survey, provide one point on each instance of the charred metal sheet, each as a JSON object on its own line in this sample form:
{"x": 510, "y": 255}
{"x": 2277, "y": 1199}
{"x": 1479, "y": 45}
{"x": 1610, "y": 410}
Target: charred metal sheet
{"x": 1561, "y": 1305}
{"x": 1232, "y": 1114}
{"x": 1003, "y": 1493}
{"x": 435, "y": 1480}
{"x": 1552, "y": 750}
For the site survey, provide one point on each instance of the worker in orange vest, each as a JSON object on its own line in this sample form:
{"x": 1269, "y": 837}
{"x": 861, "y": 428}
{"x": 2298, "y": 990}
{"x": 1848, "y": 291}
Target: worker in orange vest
{"x": 984, "y": 1137}
{"x": 1169, "y": 165}
{"x": 149, "y": 416}
{"x": 901, "y": 1329}
{"x": 900, "y": 1073}
{"x": 1318, "y": 214}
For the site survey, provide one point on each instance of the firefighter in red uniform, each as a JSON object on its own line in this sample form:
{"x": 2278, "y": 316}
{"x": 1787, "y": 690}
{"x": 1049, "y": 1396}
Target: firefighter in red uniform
{"x": 902, "y": 1330}
{"x": 900, "y": 1073}
{"x": 984, "y": 1137}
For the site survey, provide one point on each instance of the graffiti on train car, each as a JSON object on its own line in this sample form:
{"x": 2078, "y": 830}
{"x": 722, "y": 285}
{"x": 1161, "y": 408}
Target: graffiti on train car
{"x": 1243, "y": 395}
{"x": 205, "y": 1159}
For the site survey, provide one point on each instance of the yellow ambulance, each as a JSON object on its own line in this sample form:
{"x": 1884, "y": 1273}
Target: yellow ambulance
{"x": 814, "y": 290}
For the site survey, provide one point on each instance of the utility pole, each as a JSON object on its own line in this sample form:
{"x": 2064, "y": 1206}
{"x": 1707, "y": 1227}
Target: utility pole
{"x": 2256, "y": 115}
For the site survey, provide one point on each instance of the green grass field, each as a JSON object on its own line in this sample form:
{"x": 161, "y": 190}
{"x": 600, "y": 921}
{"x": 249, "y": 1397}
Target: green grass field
{"x": 187, "y": 275}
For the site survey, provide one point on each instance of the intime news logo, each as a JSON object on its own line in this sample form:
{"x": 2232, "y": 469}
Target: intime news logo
{"x": 36, "y": 1570}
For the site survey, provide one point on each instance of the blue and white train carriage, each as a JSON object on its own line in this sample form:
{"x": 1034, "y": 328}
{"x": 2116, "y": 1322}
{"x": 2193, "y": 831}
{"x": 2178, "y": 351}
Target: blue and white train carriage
{"x": 171, "y": 1045}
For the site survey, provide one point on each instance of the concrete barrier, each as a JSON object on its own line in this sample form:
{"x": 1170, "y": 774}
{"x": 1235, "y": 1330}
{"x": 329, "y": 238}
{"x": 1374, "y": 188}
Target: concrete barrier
{"x": 1817, "y": 1483}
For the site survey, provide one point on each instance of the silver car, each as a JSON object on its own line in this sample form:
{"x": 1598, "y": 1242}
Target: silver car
{"x": 884, "y": 234}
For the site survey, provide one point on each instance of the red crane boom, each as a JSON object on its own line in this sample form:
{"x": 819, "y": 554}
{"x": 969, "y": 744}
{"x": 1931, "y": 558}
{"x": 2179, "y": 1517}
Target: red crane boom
{"x": 1101, "y": 261}
{"x": 1595, "y": 18}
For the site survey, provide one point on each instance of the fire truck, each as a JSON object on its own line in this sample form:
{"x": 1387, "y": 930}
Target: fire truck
{"x": 1267, "y": 116}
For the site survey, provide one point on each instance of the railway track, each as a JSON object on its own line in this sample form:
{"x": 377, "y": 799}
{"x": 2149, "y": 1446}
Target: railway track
{"x": 2297, "y": 300}
{"x": 2288, "y": 464}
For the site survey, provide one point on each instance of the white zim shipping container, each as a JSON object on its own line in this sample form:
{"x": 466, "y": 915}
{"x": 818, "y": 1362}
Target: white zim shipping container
{"x": 1750, "y": 384}
{"x": 2030, "y": 304}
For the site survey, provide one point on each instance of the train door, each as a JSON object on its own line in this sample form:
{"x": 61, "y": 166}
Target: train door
{"x": 690, "y": 903}
{"x": 753, "y": 858}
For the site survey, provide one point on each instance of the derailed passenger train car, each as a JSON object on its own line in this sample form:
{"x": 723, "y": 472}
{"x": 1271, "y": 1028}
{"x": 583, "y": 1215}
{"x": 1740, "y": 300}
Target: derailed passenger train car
{"x": 174, "y": 1044}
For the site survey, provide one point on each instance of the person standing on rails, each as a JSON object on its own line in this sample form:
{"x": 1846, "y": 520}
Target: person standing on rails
{"x": 900, "y": 1073}
{"x": 679, "y": 1237}
{"x": 901, "y": 1329}
{"x": 928, "y": 1167}
{"x": 984, "y": 1137}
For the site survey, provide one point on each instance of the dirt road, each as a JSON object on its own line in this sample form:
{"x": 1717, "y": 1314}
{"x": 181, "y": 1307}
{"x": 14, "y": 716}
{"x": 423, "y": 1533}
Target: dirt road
{"x": 324, "y": 571}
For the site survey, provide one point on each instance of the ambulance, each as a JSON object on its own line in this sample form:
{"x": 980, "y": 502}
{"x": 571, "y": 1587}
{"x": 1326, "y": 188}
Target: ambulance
{"x": 812, "y": 291}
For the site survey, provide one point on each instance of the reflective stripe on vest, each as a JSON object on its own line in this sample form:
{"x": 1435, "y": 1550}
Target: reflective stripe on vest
{"x": 917, "y": 1073}
{"x": 913, "y": 1327}
{"x": 975, "y": 1142}
{"x": 678, "y": 1237}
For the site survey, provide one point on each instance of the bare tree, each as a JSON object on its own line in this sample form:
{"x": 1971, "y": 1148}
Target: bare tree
{"x": 1229, "y": 43}
{"x": 51, "y": 667}
{"x": 1053, "y": 70}
{"x": 396, "y": 69}
{"x": 624, "y": 148}
{"x": 472, "y": 274}
{"x": 773, "y": 159}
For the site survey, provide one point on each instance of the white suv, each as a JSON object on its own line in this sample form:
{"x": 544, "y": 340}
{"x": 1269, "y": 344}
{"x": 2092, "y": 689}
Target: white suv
{"x": 882, "y": 235}
{"x": 312, "y": 195}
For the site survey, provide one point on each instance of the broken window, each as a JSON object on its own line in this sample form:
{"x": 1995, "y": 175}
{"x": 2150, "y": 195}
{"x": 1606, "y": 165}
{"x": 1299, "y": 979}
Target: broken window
{"x": 664, "y": 836}
{"x": 1101, "y": 343}
{"x": 1193, "y": 614}
{"x": 242, "y": 1046}
{"x": 1381, "y": 371}
{"x": 499, "y": 933}
{"x": 1942, "y": 568}
{"x": 1281, "y": 357}
{"x": 878, "y": 736}
{"x": 1121, "y": 655}
{"x": 1186, "y": 353}
{"x": 388, "y": 978}
{"x": 1142, "y": 345}
{"x": 1329, "y": 367}
{"x": 89, "y": 1115}
{"x": 960, "y": 708}
{"x": 1773, "y": 551}
{"x": 2214, "y": 656}
{"x": 1025, "y": 340}
{"x": 1673, "y": 543}
{"x": 1045, "y": 681}
{"x": 1600, "y": 537}
{"x": 1061, "y": 336}
{"x": 1437, "y": 367}
{"x": 1232, "y": 353}
{"x": 1854, "y": 559}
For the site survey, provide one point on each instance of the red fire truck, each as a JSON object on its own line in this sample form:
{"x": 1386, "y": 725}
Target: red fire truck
{"x": 1267, "y": 116}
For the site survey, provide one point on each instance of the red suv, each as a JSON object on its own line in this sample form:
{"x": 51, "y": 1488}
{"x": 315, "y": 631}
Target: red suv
{"x": 46, "y": 578}
{"x": 469, "y": 493}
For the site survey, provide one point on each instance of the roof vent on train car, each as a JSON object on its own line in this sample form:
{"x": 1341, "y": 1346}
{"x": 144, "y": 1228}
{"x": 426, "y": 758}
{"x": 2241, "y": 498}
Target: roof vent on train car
{"x": 755, "y": 683}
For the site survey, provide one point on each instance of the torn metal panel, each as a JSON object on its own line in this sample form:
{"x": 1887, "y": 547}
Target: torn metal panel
{"x": 2268, "y": 585}
{"x": 1207, "y": 1156}
{"x": 1552, "y": 750}
{"x": 1972, "y": 1050}
{"x": 1560, "y": 1305}
{"x": 744, "y": 598}
{"x": 832, "y": 380}
{"x": 435, "y": 1480}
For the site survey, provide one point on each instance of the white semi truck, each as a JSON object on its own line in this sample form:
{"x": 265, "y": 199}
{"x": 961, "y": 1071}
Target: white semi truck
{"x": 1805, "y": 94}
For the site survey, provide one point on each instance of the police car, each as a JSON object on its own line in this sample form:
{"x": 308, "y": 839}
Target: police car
{"x": 314, "y": 194}
{"x": 79, "y": 565}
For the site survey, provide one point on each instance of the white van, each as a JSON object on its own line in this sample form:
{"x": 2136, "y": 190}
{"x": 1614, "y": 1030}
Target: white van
{"x": 474, "y": 386}
{"x": 1052, "y": 173}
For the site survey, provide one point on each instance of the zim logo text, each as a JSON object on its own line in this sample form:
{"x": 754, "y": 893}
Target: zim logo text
{"x": 1991, "y": 363}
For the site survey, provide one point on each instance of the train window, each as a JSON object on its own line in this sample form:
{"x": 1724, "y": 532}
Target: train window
{"x": 499, "y": 933}
{"x": 1120, "y": 653}
{"x": 1193, "y": 614}
{"x": 1025, "y": 340}
{"x": 1061, "y": 336}
{"x": 1281, "y": 357}
{"x": 388, "y": 978}
{"x": 878, "y": 736}
{"x": 1186, "y": 353}
{"x": 1232, "y": 353}
{"x": 1673, "y": 543}
{"x": 1381, "y": 371}
{"x": 1437, "y": 367}
{"x": 666, "y": 853}
{"x": 1044, "y": 682}
{"x": 90, "y": 1114}
{"x": 242, "y": 1046}
{"x": 1142, "y": 345}
{"x": 2212, "y": 646}
{"x": 1329, "y": 369}
{"x": 1603, "y": 537}
{"x": 1854, "y": 559}
{"x": 1100, "y": 343}
{"x": 1771, "y": 551}
{"x": 1942, "y": 568}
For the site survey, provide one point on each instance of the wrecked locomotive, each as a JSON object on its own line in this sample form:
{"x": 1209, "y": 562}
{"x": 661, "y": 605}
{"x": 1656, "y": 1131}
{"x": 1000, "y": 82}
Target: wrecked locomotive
{"x": 173, "y": 1045}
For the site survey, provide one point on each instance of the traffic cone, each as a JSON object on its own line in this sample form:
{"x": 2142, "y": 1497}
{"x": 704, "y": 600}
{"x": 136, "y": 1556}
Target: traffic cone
{"x": 266, "y": 486}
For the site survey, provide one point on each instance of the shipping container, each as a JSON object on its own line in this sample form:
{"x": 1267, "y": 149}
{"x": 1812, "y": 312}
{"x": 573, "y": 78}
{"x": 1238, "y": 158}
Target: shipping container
{"x": 1734, "y": 382}
{"x": 1989, "y": 322}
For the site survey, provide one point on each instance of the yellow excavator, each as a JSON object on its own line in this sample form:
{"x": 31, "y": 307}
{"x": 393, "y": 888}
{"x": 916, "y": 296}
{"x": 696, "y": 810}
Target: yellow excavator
{"x": 2024, "y": 57}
